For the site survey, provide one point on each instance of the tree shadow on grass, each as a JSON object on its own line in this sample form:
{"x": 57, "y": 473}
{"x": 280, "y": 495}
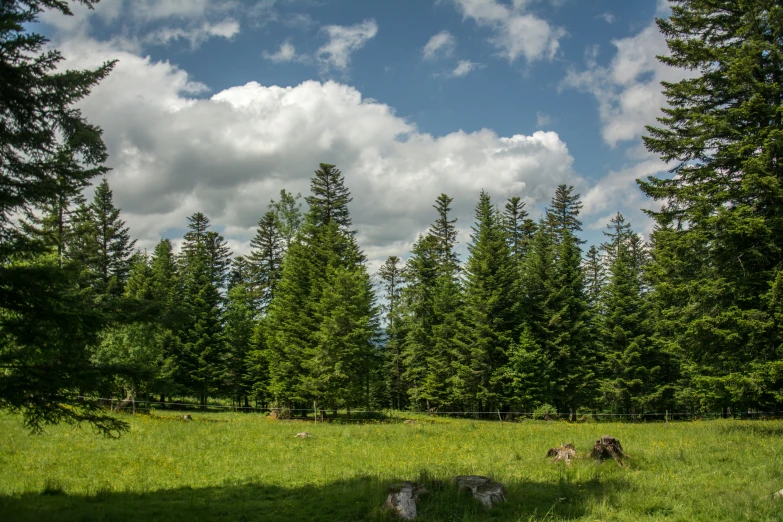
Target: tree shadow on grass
{"x": 347, "y": 500}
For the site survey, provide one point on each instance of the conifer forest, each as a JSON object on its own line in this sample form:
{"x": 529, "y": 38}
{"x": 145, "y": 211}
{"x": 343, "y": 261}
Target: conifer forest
{"x": 530, "y": 317}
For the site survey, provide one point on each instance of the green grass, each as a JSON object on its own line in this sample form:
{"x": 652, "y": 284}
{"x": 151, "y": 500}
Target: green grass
{"x": 228, "y": 466}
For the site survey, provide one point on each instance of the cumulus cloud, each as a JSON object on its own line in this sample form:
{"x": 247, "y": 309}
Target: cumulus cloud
{"x": 343, "y": 42}
{"x": 628, "y": 90}
{"x": 286, "y": 53}
{"x": 158, "y": 22}
{"x": 516, "y": 32}
{"x": 174, "y": 153}
{"x": 542, "y": 119}
{"x": 463, "y": 68}
{"x": 439, "y": 45}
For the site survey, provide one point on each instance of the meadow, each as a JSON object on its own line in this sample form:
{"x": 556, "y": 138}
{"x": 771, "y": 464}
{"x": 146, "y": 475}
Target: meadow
{"x": 242, "y": 467}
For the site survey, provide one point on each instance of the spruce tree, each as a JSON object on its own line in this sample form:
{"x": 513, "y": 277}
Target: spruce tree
{"x": 514, "y": 217}
{"x": 329, "y": 200}
{"x": 266, "y": 258}
{"x": 562, "y": 215}
{"x": 288, "y": 216}
{"x": 238, "y": 338}
{"x": 595, "y": 276}
{"x": 391, "y": 276}
{"x": 49, "y": 151}
{"x": 491, "y": 324}
{"x": 719, "y": 133}
{"x": 114, "y": 246}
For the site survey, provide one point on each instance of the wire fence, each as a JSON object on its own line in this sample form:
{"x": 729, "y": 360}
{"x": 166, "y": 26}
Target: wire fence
{"x": 327, "y": 414}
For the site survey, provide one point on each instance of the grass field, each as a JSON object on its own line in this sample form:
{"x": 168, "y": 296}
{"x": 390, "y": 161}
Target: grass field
{"x": 243, "y": 467}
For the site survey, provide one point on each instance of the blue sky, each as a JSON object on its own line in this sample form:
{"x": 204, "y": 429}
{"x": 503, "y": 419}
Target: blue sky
{"x": 217, "y": 105}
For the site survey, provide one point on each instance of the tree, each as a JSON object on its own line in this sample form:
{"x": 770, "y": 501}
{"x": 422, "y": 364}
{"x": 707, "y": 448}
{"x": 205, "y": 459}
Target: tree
{"x": 391, "y": 275}
{"x": 48, "y": 151}
{"x": 563, "y": 214}
{"x": 490, "y": 307}
{"x": 266, "y": 259}
{"x": 330, "y": 198}
{"x": 114, "y": 246}
{"x": 722, "y": 208}
{"x": 238, "y": 338}
{"x": 514, "y": 218}
{"x": 445, "y": 233}
{"x": 288, "y": 216}
{"x": 595, "y": 276}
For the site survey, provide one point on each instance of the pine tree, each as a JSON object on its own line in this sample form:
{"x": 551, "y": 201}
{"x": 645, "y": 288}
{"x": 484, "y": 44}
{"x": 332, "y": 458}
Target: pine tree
{"x": 238, "y": 338}
{"x": 330, "y": 198}
{"x": 288, "y": 216}
{"x": 514, "y": 218}
{"x": 563, "y": 214}
{"x": 266, "y": 258}
{"x": 491, "y": 323}
{"x": 391, "y": 275}
{"x": 720, "y": 133}
{"x": 113, "y": 242}
{"x": 595, "y": 276}
{"x": 49, "y": 151}
{"x": 444, "y": 231}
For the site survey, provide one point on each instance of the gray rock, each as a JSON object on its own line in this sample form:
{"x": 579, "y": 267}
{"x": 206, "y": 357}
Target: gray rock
{"x": 402, "y": 499}
{"x": 187, "y": 417}
{"x": 488, "y": 492}
{"x": 779, "y": 494}
{"x": 303, "y": 435}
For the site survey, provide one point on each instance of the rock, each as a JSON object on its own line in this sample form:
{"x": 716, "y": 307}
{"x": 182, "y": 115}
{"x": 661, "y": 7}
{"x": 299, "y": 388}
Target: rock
{"x": 608, "y": 447}
{"x": 488, "y": 492}
{"x": 409, "y": 421}
{"x": 402, "y": 499}
{"x": 303, "y": 435}
{"x": 779, "y": 494}
{"x": 187, "y": 417}
{"x": 565, "y": 452}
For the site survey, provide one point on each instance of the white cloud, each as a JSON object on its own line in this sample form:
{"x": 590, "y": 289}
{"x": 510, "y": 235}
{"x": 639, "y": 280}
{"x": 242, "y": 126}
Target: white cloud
{"x": 344, "y": 41}
{"x": 196, "y": 35}
{"x": 463, "y": 68}
{"x": 516, "y": 31}
{"x": 439, "y": 45}
{"x": 609, "y": 18}
{"x": 543, "y": 120}
{"x": 173, "y": 154}
{"x": 158, "y": 22}
{"x": 286, "y": 53}
{"x": 628, "y": 90}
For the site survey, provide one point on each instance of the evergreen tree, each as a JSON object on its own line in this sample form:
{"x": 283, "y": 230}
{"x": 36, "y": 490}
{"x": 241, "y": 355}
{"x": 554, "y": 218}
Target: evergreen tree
{"x": 490, "y": 308}
{"x": 330, "y": 198}
{"x": 114, "y": 245}
{"x": 444, "y": 231}
{"x": 391, "y": 275}
{"x": 514, "y": 218}
{"x": 238, "y": 338}
{"x": 595, "y": 276}
{"x": 266, "y": 258}
{"x": 562, "y": 216}
{"x": 720, "y": 132}
{"x": 49, "y": 151}
{"x": 288, "y": 216}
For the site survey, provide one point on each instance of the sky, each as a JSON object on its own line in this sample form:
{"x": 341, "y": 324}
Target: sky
{"x": 217, "y": 105}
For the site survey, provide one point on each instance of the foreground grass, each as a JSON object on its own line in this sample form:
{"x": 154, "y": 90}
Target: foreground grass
{"x": 246, "y": 467}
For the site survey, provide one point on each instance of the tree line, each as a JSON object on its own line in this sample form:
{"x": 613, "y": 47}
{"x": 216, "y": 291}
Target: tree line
{"x": 690, "y": 318}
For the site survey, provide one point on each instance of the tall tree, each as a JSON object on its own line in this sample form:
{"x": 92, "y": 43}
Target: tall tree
{"x": 562, "y": 215}
{"x": 595, "y": 276}
{"x": 47, "y": 151}
{"x": 288, "y": 216}
{"x": 391, "y": 276}
{"x": 721, "y": 132}
{"x": 514, "y": 217}
{"x": 266, "y": 259}
{"x": 329, "y": 200}
{"x": 490, "y": 308}
{"x": 114, "y": 245}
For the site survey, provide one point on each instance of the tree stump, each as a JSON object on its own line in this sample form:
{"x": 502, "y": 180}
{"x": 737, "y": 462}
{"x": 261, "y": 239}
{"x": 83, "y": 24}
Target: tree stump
{"x": 402, "y": 499}
{"x": 488, "y": 492}
{"x": 565, "y": 452}
{"x": 608, "y": 447}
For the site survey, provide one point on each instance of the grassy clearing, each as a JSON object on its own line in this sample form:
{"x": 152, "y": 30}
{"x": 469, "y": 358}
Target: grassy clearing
{"x": 246, "y": 467}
